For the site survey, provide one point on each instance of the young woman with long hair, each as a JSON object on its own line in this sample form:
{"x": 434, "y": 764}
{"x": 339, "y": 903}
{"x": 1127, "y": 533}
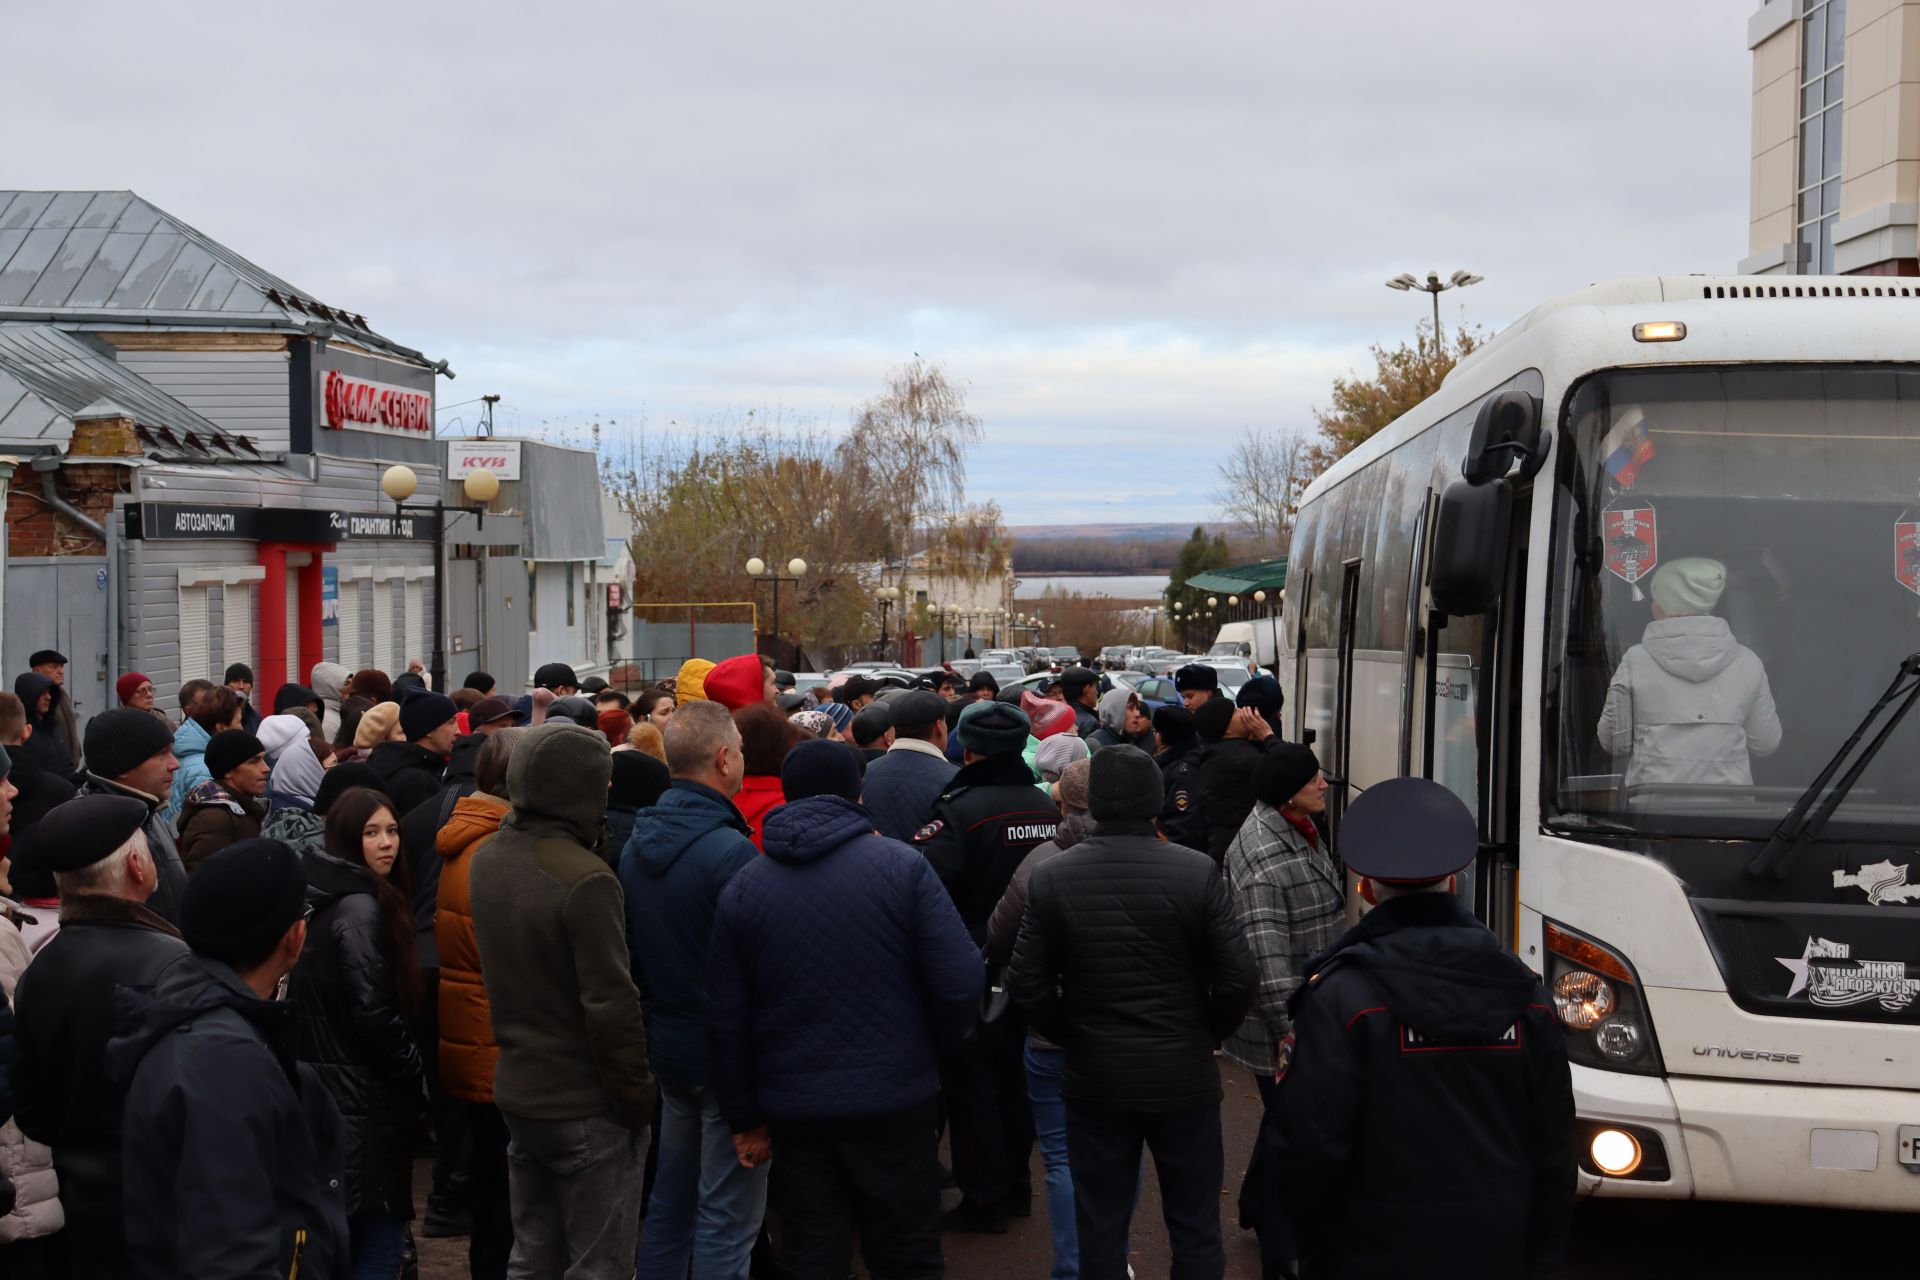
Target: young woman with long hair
{"x": 354, "y": 992}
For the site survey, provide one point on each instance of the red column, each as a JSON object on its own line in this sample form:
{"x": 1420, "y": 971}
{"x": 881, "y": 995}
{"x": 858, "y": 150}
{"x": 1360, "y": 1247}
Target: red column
{"x": 273, "y": 623}
{"x": 312, "y": 635}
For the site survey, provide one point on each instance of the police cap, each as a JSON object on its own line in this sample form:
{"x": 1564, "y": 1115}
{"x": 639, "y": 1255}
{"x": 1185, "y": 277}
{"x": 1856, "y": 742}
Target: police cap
{"x": 1407, "y": 831}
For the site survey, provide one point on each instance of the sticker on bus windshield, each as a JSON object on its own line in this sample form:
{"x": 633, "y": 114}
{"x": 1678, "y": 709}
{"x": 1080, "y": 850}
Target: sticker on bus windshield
{"x": 1882, "y": 882}
{"x": 1906, "y": 552}
{"x": 1831, "y": 978}
{"x": 1633, "y": 544}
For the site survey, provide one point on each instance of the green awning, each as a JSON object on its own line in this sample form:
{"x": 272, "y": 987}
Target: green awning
{"x": 1244, "y": 579}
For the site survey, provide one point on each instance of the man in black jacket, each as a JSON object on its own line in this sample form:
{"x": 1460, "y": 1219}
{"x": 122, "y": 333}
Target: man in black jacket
{"x": 990, "y": 817}
{"x": 1226, "y": 769}
{"x": 415, "y": 769}
{"x": 1131, "y": 961}
{"x": 1425, "y": 1104}
{"x": 65, "y": 1014}
{"x": 1080, "y": 689}
{"x": 235, "y": 1151}
{"x": 1183, "y": 816}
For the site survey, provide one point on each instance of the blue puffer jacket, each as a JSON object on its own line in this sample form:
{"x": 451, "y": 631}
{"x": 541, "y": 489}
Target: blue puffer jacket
{"x": 190, "y": 749}
{"x": 681, "y": 854}
{"x": 839, "y": 970}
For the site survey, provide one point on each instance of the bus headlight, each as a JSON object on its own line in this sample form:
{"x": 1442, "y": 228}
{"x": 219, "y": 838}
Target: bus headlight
{"x": 1615, "y": 1152}
{"x": 1581, "y": 999}
{"x": 1598, "y": 1000}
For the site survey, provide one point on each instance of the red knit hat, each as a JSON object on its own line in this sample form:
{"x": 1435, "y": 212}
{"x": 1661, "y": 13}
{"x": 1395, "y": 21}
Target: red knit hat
{"x": 127, "y": 683}
{"x": 738, "y": 682}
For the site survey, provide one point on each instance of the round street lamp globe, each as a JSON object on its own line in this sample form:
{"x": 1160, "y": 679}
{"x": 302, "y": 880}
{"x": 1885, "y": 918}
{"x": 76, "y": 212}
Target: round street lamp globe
{"x": 1259, "y": 597}
{"x": 1212, "y": 601}
{"x": 398, "y": 482}
{"x": 1178, "y": 606}
{"x": 481, "y": 485}
{"x": 756, "y": 567}
{"x": 797, "y": 567}
{"x": 1233, "y": 599}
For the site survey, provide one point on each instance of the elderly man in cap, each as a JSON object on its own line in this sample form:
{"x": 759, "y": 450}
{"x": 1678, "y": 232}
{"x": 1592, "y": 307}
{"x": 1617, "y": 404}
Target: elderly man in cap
{"x": 1424, "y": 1110}
{"x": 65, "y": 1007}
{"x": 130, "y": 754}
{"x": 234, "y": 1151}
{"x": 1197, "y": 683}
{"x": 52, "y": 664}
{"x": 903, "y": 784}
{"x": 990, "y": 817}
{"x": 1130, "y": 960}
{"x": 1689, "y": 703}
{"x": 872, "y": 730}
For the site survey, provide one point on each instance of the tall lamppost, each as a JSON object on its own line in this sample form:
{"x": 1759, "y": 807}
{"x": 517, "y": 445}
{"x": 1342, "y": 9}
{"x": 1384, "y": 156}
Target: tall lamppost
{"x": 480, "y": 487}
{"x": 757, "y": 568}
{"x": 1435, "y": 286}
{"x": 887, "y": 596}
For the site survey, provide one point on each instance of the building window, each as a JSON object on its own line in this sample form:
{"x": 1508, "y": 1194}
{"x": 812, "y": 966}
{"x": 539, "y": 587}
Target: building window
{"x": 236, "y": 623}
{"x": 196, "y": 646}
{"x": 570, "y": 614}
{"x": 383, "y": 626}
{"x": 1823, "y": 42}
{"x": 349, "y": 628}
{"x": 414, "y": 626}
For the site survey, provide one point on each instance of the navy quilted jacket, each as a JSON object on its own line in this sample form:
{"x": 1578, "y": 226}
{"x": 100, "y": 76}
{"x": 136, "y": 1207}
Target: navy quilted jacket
{"x": 839, "y": 969}
{"x": 901, "y": 789}
{"x": 680, "y": 856}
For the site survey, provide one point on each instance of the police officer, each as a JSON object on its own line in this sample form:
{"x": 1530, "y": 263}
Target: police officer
{"x": 989, "y": 818}
{"x": 1422, "y": 1123}
{"x": 1196, "y": 683}
{"x": 1182, "y": 819}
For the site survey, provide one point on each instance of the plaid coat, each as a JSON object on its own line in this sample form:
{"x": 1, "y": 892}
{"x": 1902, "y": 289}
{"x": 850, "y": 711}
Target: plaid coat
{"x": 1290, "y": 901}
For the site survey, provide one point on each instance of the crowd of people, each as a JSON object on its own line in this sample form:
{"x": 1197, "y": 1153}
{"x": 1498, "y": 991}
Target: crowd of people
{"x": 696, "y": 981}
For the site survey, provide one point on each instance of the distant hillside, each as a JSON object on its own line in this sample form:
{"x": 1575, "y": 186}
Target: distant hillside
{"x": 1131, "y": 532}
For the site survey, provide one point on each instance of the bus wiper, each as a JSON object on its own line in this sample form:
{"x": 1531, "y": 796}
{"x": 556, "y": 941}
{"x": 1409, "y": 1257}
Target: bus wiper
{"x": 1803, "y": 823}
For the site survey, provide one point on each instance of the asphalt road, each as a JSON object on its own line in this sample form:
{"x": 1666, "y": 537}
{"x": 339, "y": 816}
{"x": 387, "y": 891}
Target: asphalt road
{"x": 1635, "y": 1241}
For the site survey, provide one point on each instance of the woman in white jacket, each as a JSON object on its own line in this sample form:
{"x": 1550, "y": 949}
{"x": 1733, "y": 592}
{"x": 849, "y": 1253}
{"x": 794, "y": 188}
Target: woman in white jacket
{"x": 1689, "y": 703}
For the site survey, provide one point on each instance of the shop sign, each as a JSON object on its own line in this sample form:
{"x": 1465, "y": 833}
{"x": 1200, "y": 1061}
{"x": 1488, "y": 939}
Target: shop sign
{"x": 360, "y": 404}
{"x": 329, "y": 596}
{"x": 502, "y": 457}
{"x": 162, "y": 521}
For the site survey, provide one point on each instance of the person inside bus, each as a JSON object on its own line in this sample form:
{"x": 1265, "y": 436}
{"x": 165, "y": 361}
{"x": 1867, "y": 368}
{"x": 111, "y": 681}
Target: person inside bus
{"x": 1689, "y": 703}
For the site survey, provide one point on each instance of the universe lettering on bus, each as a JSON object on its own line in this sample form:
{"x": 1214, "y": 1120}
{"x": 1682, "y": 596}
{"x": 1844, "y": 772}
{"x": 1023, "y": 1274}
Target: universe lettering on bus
{"x": 351, "y": 402}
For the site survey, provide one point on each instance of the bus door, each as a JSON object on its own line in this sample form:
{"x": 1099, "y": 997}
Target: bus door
{"x": 1339, "y": 758}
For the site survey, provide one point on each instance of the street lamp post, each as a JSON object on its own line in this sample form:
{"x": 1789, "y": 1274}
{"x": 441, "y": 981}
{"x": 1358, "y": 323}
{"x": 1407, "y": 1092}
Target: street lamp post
{"x": 1435, "y": 286}
{"x": 757, "y": 568}
{"x": 481, "y": 486}
{"x": 887, "y": 596}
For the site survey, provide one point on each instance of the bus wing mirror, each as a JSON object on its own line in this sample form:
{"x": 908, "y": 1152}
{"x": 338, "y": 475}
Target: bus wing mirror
{"x": 1506, "y": 428}
{"x": 1470, "y": 547}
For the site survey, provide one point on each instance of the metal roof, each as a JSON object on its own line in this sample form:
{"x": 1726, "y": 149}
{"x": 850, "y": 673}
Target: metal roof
{"x": 48, "y": 376}
{"x": 101, "y": 256}
{"x": 1243, "y": 579}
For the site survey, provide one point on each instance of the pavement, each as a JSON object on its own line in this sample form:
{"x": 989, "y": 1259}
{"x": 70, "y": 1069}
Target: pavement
{"x": 1638, "y": 1240}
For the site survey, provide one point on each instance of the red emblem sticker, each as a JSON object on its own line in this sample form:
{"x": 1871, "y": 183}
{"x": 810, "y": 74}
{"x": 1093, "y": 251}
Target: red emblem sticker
{"x": 929, "y": 831}
{"x": 1633, "y": 544}
{"x": 1906, "y": 552}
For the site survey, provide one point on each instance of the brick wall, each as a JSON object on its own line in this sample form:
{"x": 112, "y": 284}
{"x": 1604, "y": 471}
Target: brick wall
{"x": 34, "y": 528}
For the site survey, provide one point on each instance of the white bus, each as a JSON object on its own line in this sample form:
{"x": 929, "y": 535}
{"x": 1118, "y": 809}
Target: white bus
{"x": 1737, "y": 966}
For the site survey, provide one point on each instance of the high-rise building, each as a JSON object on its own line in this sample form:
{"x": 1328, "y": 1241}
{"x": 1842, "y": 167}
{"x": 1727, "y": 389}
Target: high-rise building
{"x": 1836, "y": 138}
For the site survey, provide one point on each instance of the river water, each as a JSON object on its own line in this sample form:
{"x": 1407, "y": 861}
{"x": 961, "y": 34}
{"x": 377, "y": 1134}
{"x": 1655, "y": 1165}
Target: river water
{"x": 1133, "y": 586}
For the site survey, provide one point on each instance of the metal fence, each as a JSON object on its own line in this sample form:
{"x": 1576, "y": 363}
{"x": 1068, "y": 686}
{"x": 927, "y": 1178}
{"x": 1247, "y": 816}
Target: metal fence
{"x": 667, "y": 635}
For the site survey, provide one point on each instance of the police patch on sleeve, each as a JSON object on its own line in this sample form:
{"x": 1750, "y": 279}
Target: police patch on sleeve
{"x": 1283, "y": 1058}
{"x": 1180, "y": 801}
{"x": 929, "y": 831}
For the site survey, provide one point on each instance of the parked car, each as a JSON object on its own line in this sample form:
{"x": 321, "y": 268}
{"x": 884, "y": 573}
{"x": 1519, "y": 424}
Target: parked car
{"x": 805, "y": 680}
{"x": 964, "y": 667}
{"x": 1005, "y": 673}
{"x": 1113, "y": 657}
{"x": 1066, "y": 655}
{"x": 1156, "y": 691}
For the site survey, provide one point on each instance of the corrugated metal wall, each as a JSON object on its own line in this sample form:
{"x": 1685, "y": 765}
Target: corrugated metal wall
{"x": 243, "y": 391}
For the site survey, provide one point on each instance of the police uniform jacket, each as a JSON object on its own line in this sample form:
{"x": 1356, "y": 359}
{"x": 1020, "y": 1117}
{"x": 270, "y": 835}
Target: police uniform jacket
{"x": 1183, "y": 818}
{"x": 1425, "y": 1105}
{"x": 990, "y": 817}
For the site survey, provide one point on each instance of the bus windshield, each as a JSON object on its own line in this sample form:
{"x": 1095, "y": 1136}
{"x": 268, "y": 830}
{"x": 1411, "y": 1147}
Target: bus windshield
{"x": 1736, "y": 579}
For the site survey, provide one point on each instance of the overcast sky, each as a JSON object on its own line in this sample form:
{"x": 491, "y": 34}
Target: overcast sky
{"x": 1132, "y": 230}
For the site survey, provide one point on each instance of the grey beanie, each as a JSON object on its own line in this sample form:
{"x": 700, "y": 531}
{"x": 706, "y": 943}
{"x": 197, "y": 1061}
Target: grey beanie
{"x": 1123, "y": 783}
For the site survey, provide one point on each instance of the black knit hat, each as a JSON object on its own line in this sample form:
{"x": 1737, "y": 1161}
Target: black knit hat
{"x": 994, "y": 728}
{"x": 230, "y": 748}
{"x": 482, "y": 681}
{"x": 239, "y": 671}
{"x": 1173, "y": 724}
{"x": 241, "y": 901}
{"x": 1213, "y": 718}
{"x": 343, "y": 778}
{"x": 871, "y": 722}
{"x": 289, "y": 696}
{"x": 1263, "y": 694}
{"x": 820, "y": 767}
{"x": 1123, "y": 783}
{"x": 119, "y": 741}
{"x": 1283, "y": 769}
{"x": 1196, "y": 675}
{"x": 422, "y": 713}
